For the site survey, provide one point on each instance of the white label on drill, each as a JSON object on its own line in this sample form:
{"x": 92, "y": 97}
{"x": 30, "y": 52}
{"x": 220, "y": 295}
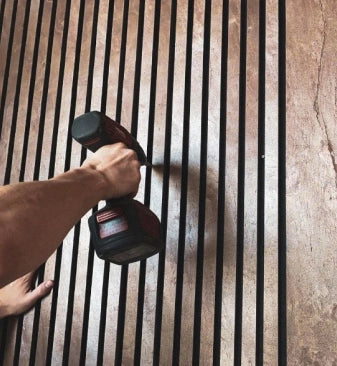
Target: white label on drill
{"x": 111, "y": 227}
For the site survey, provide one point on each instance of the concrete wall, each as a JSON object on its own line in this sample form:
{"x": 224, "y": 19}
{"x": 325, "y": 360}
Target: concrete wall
{"x": 311, "y": 180}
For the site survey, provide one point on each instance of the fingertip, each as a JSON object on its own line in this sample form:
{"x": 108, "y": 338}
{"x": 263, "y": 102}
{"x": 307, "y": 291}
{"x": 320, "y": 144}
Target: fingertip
{"x": 43, "y": 289}
{"x": 49, "y": 284}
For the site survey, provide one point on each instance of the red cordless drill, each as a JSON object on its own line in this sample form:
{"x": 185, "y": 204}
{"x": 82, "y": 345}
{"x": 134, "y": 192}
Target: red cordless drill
{"x": 125, "y": 230}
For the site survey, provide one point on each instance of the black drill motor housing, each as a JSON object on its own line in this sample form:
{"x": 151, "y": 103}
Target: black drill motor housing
{"x": 124, "y": 231}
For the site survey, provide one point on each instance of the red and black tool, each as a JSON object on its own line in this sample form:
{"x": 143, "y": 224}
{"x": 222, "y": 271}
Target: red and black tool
{"x": 125, "y": 230}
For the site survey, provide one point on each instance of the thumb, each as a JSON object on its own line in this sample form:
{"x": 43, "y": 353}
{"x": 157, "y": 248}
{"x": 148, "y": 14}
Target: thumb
{"x": 38, "y": 293}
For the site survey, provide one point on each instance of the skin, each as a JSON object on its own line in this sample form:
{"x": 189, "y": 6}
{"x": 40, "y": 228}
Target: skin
{"x": 36, "y": 216}
{"x": 19, "y": 296}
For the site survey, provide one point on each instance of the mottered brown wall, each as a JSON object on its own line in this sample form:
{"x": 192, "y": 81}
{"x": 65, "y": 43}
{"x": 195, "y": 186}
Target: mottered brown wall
{"x": 186, "y": 77}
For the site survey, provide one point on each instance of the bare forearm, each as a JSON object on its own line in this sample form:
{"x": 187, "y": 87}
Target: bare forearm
{"x": 36, "y": 216}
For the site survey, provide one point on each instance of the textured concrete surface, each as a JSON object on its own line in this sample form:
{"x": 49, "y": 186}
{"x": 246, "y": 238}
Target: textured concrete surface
{"x": 311, "y": 182}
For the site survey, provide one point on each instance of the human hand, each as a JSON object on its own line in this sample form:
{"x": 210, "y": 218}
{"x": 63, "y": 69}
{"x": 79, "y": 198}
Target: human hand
{"x": 20, "y": 295}
{"x": 119, "y": 167}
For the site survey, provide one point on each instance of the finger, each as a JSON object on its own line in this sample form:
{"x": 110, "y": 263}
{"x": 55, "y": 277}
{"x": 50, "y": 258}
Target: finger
{"x": 38, "y": 293}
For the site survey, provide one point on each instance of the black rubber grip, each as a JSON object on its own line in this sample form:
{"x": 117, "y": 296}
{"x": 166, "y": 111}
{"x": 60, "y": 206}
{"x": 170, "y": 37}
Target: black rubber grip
{"x": 94, "y": 130}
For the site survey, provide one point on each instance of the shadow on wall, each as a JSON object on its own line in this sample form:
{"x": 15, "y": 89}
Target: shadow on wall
{"x": 209, "y": 265}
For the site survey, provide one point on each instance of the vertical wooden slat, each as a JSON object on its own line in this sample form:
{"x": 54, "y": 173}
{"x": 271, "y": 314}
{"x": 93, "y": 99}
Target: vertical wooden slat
{"x": 241, "y": 187}
{"x": 184, "y": 187}
{"x": 8, "y": 64}
{"x": 221, "y": 187}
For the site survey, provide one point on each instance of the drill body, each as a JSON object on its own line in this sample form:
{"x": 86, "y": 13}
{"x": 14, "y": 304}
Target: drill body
{"x": 124, "y": 231}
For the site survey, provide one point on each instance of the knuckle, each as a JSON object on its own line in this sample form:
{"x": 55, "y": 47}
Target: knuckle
{"x": 132, "y": 154}
{"x": 132, "y": 157}
{"x": 129, "y": 153}
{"x": 120, "y": 145}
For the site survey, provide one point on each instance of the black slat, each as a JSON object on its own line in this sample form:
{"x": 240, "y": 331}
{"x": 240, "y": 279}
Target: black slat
{"x": 107, "y": 55}
{"x": 85, "y": 325}
{"x": 70, "y": 306}
{"x": 122, "y": 62}
{"x": 241, "y": 187}
{"x": 140, "y": 312}
{"x": 152, "y": 105}
{"x": 121, "y": 315}
{"x": 282, "y": 233}
{"x": 17, "y": 349}
{"x": 4, "y": 329}
{"x": 102, "y": 323}
{"x": 138, "y": 69}
{"x": 260, "y": 186}
{"x": 134, "y": 130}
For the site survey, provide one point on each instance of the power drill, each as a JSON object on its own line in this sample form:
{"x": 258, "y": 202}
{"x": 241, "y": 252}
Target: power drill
{"x": 125, "y": 230}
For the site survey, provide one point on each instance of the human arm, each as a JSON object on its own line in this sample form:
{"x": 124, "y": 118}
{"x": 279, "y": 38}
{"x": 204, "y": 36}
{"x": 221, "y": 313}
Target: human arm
{"x": 36, "y": 216}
